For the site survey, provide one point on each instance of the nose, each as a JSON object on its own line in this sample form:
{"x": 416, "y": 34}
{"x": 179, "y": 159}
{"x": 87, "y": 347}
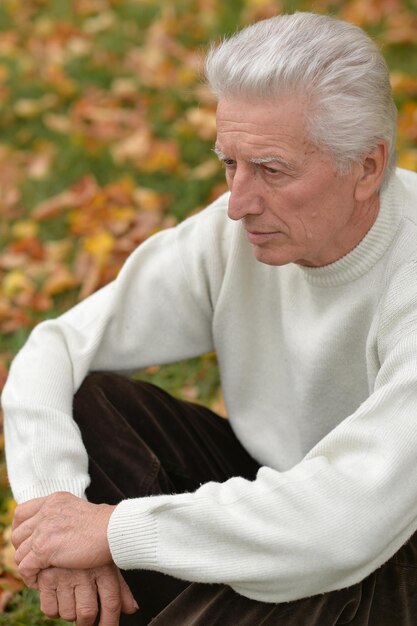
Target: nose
{"x": 245, "y": 198}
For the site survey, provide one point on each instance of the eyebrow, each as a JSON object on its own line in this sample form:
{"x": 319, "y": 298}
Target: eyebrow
{"x": 257, "y": 160}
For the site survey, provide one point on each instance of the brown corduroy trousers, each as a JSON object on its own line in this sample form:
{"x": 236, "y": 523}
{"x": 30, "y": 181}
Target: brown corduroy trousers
{"x": 142, "y": 441}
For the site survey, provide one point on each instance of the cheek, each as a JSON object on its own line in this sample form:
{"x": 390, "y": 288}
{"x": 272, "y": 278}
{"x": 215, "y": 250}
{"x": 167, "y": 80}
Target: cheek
{"x": 307, "y": 215}
{"x": 301, "y": 219}
{"x": 304, "y": 229}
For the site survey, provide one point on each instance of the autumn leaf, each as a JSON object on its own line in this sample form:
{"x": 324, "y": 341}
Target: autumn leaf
{"x": 24, "y": 229}
{"x": 60, "y": 281}
{"x": 80, "y": 193}
{"x": 99, "y": 245}
{"x": 15, "y": 282}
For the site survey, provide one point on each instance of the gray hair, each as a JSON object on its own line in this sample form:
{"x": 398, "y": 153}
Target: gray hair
{"x": 335, "y": 65}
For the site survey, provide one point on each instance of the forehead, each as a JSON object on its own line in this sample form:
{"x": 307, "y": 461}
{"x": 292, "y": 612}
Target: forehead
{"x": 254, "y": 129}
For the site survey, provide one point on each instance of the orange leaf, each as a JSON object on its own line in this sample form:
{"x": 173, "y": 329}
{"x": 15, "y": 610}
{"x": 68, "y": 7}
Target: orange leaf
{"x": 136, "y": 146}
{"x": 60, "y": 281}
{"x": 91, "y": 281}
{"x": 79, "y": 193}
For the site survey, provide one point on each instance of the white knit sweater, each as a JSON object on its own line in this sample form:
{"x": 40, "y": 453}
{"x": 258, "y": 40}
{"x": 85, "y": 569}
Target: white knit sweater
{"x": 319, "y": 373}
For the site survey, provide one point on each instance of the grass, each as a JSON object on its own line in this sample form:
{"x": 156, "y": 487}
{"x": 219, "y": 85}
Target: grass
{"x": 24, "y": 610}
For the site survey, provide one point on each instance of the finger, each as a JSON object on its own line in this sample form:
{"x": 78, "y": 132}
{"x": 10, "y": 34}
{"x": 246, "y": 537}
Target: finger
{"x": 86, "y": 604}
{"x": 23, "y": 550}
{"x": 47, "y": 584}
{"x": 129, "y": 604}
{"x": 49, "y": 602}
{"x": 66, "y": 603}
{"x": 26, "y": 510}
{"x": 110, "y": 598}
{"x": 22, "y": 532}
{"x": 31, "y": 581}
{"x": 30, "y": 565}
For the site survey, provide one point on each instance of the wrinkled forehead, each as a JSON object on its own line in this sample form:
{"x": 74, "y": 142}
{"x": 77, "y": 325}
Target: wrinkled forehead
{"x": 261, "y": 129}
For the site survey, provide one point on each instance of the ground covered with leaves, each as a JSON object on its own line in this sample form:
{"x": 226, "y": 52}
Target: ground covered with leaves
{"x": 107, "y": 130}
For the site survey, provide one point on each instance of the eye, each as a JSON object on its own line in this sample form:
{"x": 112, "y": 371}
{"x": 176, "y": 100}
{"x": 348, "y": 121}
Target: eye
{"x": 229, "y": 163}
{"x": 271, "y": 170}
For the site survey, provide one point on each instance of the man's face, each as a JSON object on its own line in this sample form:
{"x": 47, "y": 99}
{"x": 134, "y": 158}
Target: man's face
{"x": 293, "y": 206}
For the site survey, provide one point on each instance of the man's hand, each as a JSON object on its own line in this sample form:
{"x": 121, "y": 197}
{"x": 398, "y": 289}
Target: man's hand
{"x": 73, "y": 595}
{"x": 60, "y": 530}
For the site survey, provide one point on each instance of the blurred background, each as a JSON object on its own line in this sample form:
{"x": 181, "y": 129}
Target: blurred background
{"x": 106, "y": 136}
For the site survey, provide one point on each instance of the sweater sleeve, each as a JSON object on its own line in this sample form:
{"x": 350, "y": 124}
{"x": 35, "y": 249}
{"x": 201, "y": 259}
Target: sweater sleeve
{"x": 158, "y": 310}
{"x": 325, "y": 524}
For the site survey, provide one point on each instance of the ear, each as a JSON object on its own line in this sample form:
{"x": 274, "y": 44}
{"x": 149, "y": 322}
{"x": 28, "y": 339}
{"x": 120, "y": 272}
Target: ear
{"x": 372, "y": 172}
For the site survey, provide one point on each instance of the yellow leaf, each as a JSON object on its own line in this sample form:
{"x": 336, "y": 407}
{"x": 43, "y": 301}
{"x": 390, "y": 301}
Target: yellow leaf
{"x": 124, "y": 214}
{"x": 24, "y": 229}
{"x": 14, "y": 282}
{"x": 148, "y": 199}
{"x": 99, "y": 245}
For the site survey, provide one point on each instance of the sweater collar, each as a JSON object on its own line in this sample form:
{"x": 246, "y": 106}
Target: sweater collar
{"x": 370, "y": 249}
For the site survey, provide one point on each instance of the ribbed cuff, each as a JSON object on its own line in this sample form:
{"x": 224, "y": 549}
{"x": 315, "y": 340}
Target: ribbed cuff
{"x": 46, "y": 488}
{"x": 132, "y": 535}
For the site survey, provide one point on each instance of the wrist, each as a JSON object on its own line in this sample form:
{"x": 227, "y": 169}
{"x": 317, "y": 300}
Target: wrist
{"x": 106, "y": 511}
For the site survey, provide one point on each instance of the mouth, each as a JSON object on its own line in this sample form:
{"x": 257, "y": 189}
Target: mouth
{"x": 258, "y": 238}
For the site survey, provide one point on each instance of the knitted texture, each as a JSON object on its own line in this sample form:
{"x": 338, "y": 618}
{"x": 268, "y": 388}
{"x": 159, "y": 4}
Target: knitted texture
{"x": 319, "y": 377}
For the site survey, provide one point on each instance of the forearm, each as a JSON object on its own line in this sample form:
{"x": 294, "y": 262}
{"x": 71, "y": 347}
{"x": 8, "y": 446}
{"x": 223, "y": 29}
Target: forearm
{"x": 325, "y": 524}
{"x": 118, "y": 328}
{"x": 44, "y": 450}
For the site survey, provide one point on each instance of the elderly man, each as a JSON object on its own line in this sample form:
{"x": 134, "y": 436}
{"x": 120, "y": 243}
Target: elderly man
{"x": 301, "y": 507}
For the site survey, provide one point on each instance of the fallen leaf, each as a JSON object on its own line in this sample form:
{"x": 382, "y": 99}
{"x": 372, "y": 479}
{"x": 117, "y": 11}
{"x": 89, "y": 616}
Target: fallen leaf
{"x": 60, "y": 281}
{"x": 99, "y": 245}
{"x": 24, "y": 229}
{"x": 79, "y": 194}
{"x": 14, "y": 282}
{"x": 135, "y": 147}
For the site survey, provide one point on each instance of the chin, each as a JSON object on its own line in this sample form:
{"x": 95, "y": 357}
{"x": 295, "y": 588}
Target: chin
{"x": 270, "y": 257}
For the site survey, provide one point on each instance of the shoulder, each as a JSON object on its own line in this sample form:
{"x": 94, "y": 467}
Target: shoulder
{"x": 398, "y": 304}
{"x": 408, "y": 179}
{"x": 399, "y": 203}
{"x": 405, "y": 184}
{"x": 210, "y": 230}
{"x": 215, "y": 214}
